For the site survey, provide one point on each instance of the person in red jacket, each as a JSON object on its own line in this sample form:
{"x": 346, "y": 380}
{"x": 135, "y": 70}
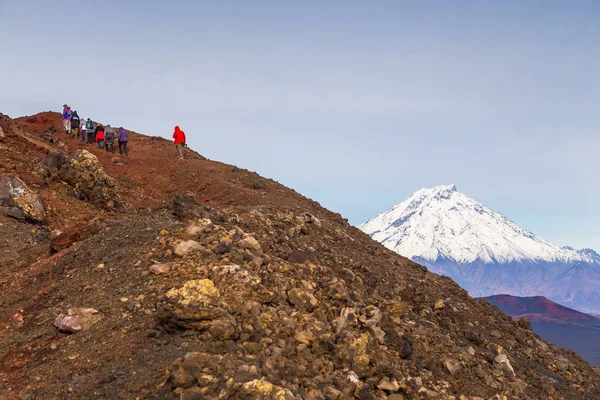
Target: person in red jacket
{"x": 100, "y": 136}
{"x": 179, "y": 139}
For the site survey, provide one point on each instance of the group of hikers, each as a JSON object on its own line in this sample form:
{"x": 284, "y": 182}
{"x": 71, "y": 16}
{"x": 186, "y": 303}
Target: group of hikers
{"x": 91, "y": 132}
{"x": 105, "y": 136}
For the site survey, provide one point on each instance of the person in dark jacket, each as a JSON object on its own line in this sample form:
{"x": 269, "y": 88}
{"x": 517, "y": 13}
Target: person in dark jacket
{"x": 122, "y": 140}
{"x": 109, "y": 138}
{"x": 179, "y": 140}
{"x": 90, "y": 128}
{"x": 75, "y": 122}
{"x": 100, "y": 136}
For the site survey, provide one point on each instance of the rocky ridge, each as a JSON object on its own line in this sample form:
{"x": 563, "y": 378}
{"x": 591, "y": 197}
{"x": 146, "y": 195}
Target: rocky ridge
{"x": 261, "y": 294}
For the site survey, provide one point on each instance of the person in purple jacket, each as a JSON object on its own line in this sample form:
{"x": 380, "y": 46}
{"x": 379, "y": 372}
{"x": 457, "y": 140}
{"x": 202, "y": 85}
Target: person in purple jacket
{"x": 123, "y": 139}
{"x": 66, "y": 118}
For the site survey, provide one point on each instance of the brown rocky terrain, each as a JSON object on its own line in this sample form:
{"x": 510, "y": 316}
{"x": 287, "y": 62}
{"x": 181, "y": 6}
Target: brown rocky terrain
{"x": 154, "y": 278}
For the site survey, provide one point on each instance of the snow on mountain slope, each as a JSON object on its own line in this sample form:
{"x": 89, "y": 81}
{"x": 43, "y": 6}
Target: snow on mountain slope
{"x": 444, "y": 224}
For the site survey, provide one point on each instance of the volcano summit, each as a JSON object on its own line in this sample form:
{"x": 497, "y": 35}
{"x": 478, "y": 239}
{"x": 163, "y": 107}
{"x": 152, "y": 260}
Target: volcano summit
{"x": 484, "y": 251}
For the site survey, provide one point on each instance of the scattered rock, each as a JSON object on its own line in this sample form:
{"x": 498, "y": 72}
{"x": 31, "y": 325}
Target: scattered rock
{"x": 370, "y": 317}
{"x": 495, "y": 333}
{"x": 119, "y": 161}
{"x": 524, "y": 323}
{"x": 187, "y": 247}
{"x": 452, "y": 366}
{"x": 258, "y": 185}
{"x": 502, "y": 361}
{"x": 562, "y": 364}
{"x": 314, "y": 220}
{"x": 193, "y": 393}
{"x": 47, "y": 136}
{"x": 347, "y": 318}
{"x": 262, "y": 389}
{"x": 304, "y": 337}
{"x": 161, "y": 268}
{"x": 77, "y": 320}
{"x": 251, "y": 244}
{"x": 18, "y": 201}
{"x": 184, "y": 372}
{"x": 17, "y": 320}
{"x": 389, "y": 385}
{"x": 222, "y": 248}
{"x": 199, "y": 227}
{"x": 331, "y": 393}
{"x": 303, "y": 299}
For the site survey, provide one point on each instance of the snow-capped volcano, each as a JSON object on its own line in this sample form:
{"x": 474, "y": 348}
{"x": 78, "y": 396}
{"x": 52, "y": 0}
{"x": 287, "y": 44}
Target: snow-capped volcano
{"x": 485, "y": 252}
{"x": 442, "y": 223}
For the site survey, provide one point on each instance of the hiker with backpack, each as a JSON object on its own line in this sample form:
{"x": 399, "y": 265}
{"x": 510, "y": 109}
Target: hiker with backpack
{"x": 66, "y": 118}
{"x": 179, "y": 139}
{"x": 90, "y": 128}
{"x": 122, "y": 140}
{"x": 75, "y": 123}
{"x": 109, "y": 138}
{"x": 82, "y": 130}
{"x": 100, "y": 136}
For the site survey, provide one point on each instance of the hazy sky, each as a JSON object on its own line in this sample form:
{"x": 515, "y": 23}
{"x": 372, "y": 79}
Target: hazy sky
{"x": 355, "y": 104}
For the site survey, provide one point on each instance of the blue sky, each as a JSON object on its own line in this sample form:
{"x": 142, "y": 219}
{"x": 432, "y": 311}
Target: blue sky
{"x": 355, "y": 104}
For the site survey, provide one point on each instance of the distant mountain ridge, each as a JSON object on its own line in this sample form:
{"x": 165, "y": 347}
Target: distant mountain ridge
{"x": 484, "y": 251}
{"x": 561, "y": 325}
{"x": 541, "y": 309}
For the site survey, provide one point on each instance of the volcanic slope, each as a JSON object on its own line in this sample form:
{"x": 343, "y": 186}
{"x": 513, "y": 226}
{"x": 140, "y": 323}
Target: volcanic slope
{"x": 212, "y": 282}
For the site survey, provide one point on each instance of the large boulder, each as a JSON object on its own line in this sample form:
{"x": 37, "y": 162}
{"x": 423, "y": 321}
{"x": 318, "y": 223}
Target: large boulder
{"x": 18, "y": 201}
{"x": 82, "y": 170}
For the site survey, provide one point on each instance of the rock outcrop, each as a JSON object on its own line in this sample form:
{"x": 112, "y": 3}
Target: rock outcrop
{"x": 83, "y": 171}
{"x": 18, "y": 201}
